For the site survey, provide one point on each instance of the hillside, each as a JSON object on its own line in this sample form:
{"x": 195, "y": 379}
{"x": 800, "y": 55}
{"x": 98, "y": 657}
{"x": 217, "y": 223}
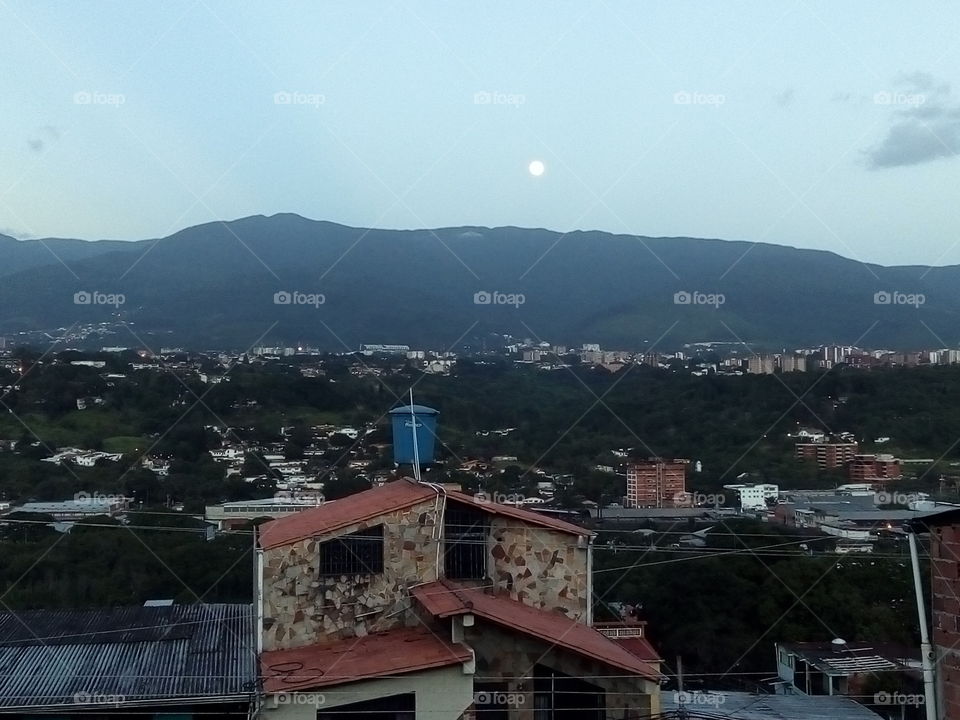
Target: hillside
{"x": 213, "y": 286}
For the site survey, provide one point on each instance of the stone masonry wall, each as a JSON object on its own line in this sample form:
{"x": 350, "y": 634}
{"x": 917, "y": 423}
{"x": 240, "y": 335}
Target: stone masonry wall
{"x": 307, "y": 609}
{"x": 510, "y": 658}
{"x": 539, "y": 567}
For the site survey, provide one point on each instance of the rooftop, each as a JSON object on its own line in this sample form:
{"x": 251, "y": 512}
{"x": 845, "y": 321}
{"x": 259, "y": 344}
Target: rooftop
{"x": 350, "y": 510}
{"x": 444, "y": 599}
{"x": 747, "y": 706}
{"x": 169, "y": 654}
{"x": 854, "y": 657}
{"x": 378, "y": 501}
{"x": 381, "y": 654}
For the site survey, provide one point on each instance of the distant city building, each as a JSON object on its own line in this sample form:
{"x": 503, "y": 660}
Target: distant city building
{"x": 68, "y": 510}
{"x": 827, "y": 455}
{"x": 385, "y": 349}
{"x": 657, "y": 483}
{"x": 792, "y": 363}
{"x": 876, "y": 469}
{"x": 754, "y": 497}
{"x": 233, "y": 514}
{"x": 761, "y": 365}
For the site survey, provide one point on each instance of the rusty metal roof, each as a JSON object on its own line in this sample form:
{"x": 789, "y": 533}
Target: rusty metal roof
{"x": 75, "y": 658}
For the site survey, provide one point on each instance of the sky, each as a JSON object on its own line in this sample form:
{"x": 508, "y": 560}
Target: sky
{"x": 825, "y": 125}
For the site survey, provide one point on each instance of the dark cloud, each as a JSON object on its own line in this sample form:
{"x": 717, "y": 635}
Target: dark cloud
{"x": 926, "y": 125}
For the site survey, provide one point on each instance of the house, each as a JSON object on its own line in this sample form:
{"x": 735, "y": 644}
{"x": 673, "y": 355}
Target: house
{"x": 417, "y": 600}
{"x": 160, "y": 661}
{"x": 841, "y": 668}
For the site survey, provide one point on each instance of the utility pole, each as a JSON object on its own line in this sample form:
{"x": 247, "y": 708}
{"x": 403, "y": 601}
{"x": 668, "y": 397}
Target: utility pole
{"x": 926, "y": 650}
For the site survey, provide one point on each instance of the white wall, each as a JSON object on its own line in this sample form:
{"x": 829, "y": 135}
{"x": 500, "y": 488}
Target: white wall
{"x": 442, "y": 694}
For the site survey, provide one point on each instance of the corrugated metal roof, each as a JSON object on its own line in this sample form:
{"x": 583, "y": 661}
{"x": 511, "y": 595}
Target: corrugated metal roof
{"x": 747, "y": 706}
{"x": 80, "y": 657}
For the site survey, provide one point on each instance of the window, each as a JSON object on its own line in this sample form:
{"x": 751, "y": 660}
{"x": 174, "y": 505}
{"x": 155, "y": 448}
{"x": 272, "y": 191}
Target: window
{"x": 359, "y": 553}
{"x": 394, "y": 707}
{"x": 557, "y": 696}
{"x": 465, "y": 533}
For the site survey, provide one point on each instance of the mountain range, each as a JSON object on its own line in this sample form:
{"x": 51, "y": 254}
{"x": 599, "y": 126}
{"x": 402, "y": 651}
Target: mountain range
{"x": 285, "y": 279}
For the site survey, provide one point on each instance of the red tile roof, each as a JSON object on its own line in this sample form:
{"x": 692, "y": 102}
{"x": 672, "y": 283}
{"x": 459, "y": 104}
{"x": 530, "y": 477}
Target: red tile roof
{"x": 390, "y": 653}
{"x": 341, "y": 513}
{"x": 372, "y": 503}
{"x": 527, "y": 516}
{"x": 640, "y": 647}
{"x": 443, "y": 599}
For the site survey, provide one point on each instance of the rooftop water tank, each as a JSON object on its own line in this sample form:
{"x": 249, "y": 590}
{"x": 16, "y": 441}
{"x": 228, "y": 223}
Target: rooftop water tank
{"x": 403, "y": 419}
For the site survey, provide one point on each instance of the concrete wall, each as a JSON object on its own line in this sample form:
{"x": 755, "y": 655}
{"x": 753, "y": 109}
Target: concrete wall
{"x": 539, "y": 567}
{"x": 511, "y": 657}
{"x": 442, "y": 694}
{"x": 308, "y": 609}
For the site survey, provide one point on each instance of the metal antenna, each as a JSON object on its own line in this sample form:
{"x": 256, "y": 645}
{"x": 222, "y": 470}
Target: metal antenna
{"x": 416, "y": 449}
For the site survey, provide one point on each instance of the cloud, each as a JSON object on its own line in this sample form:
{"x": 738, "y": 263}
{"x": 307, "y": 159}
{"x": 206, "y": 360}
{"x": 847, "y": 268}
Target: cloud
{"x": 45, "y": 134}
{"x": 926, "y": 123}
{"x": 785, "y": 98}
{"x": 10, "y": 232}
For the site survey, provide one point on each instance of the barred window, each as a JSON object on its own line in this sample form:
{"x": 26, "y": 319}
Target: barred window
{"x": 465, "y": 532}
{"x": 359, "y": 553}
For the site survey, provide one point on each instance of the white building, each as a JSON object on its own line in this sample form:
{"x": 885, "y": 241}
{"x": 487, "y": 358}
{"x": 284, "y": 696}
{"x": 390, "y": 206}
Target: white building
{"x": 754, "y": 497}
{"x": 231, "y": 514}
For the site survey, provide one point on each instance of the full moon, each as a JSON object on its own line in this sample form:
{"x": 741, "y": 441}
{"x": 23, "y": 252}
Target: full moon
{"x": 536, "y": 168}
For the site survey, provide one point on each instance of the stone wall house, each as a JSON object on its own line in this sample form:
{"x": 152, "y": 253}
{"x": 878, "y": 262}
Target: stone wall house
{"x": 410, "y": 580}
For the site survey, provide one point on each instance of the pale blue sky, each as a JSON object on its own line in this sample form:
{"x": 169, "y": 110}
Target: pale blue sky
{"x": 132, "y": 119}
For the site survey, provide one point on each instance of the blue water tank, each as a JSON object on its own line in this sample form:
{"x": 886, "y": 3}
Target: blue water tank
{"x": 426, "y": 428}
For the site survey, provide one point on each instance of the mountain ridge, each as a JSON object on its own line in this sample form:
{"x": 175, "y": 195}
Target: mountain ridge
{"x": 214, "y": 283}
